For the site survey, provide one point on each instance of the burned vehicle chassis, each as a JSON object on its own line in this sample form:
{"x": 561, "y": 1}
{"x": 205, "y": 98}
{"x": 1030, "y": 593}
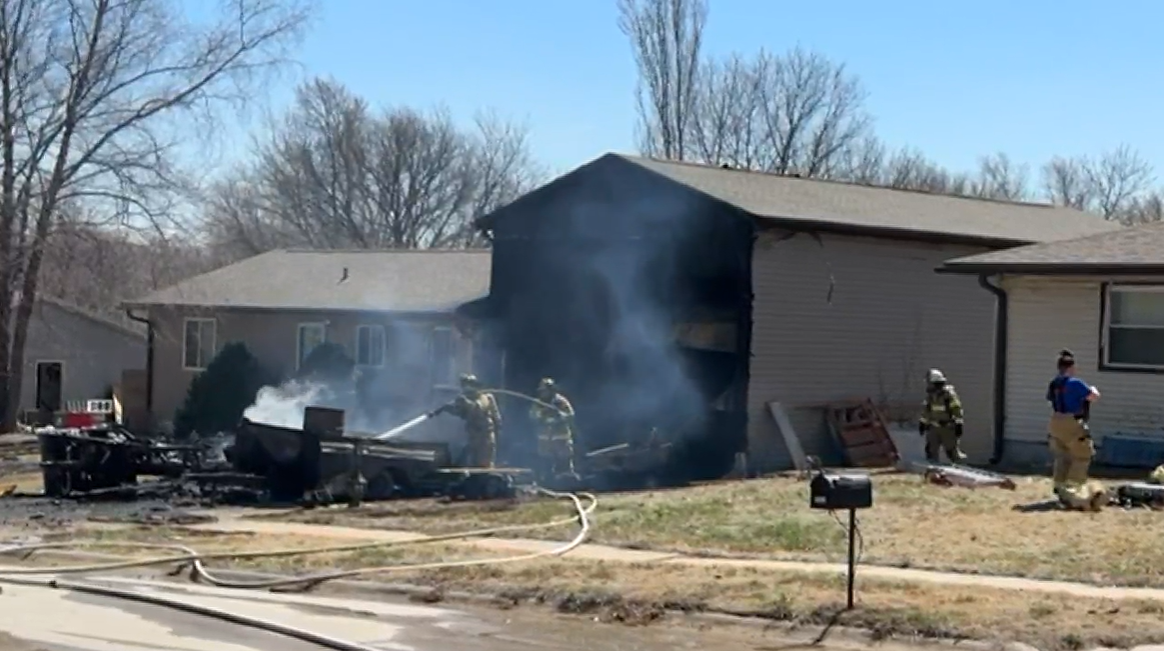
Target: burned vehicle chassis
{"x": 89, "y": 460}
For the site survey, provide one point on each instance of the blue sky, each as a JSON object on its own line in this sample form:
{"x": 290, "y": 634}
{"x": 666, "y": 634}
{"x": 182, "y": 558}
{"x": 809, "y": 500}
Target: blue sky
{"x": 958, "y": 80}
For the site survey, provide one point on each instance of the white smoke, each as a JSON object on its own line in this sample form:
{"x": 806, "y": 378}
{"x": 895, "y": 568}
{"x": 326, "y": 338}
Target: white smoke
{"x": 283, "y": 406}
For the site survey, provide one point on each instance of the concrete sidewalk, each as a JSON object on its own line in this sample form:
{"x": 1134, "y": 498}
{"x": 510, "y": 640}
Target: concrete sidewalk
{"x": 595, "y": 552}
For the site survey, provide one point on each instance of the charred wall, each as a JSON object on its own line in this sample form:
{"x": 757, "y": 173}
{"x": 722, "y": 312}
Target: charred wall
{"x": 640, "y": 309}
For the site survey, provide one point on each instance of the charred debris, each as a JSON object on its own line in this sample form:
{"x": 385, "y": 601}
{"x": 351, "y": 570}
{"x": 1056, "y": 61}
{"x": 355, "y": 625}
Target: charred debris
{"x": 88, "y": 456}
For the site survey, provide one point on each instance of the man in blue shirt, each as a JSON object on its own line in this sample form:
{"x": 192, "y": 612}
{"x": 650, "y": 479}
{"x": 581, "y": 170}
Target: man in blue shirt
{"x": 1069, "y": 437}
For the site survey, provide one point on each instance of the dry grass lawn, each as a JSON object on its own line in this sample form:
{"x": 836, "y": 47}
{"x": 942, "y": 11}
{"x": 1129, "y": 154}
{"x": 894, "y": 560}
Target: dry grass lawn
{"x": 639, "y": 593}
{"x": 912, "y": 524}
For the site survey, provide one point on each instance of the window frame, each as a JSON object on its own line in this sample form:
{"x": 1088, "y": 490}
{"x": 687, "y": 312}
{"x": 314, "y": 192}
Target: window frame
{"x": 299, "y": 356}
{"x": 372, "y": 327}
{"x": 452, "y": 362}
{"x": 1105, "y": 327}
{"x": 202, "y": 321}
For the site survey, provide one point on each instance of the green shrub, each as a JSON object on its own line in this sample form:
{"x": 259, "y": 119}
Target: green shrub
{"x": 219, "y": 395}
{"x": 327, "y": 363}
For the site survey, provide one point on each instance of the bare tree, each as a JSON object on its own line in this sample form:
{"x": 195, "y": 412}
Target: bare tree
{"x": 666, "y": 37}
{"x": 796, "y": 113}
{"x": 334, "y": 174}
{"x": 97, "y": 269}
{"x": 726, "y": 125}
{"x": 813, "y": 109}
{"x": 1066, "y": 183}
{"x": 1115, "y": 185}
{"x": 1001, "y": 178}
{"x": 92, "y": 98}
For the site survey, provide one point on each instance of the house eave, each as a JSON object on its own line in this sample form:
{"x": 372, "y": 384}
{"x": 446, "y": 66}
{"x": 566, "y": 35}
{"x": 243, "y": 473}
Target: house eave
{"x": 1053, "y": 269}
{"x": 253, "y": 309}
{"x": 883, "y": 232}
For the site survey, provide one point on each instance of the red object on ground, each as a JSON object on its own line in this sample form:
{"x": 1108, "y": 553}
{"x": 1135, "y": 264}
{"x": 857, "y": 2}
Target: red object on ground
{"x": 79, "y": 420}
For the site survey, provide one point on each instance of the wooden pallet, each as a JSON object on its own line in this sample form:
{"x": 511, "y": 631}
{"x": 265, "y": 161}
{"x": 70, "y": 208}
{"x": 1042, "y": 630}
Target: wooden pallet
{"x": 861, "y": 431}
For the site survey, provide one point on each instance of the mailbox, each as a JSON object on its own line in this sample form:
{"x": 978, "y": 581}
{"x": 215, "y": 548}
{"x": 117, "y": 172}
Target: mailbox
{"x": 840, "y": 492}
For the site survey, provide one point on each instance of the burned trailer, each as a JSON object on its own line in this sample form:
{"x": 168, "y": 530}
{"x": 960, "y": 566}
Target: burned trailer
{"x": 85, "y": 460}
{"x": 634, "y": 294}
{"x": 321, "y": 460}
{"x": 299, "y": 462}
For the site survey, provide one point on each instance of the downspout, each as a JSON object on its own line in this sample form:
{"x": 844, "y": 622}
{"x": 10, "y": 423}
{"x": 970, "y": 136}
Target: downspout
{"x": 149, "y": 361}
{"x": 1000, "y": 340}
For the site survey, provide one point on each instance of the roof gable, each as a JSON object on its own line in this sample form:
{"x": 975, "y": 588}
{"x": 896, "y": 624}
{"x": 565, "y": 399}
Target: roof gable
{"x": 816, "y": 203}
{"x": 364, "y": 280}
{"x": 92, "y": 318}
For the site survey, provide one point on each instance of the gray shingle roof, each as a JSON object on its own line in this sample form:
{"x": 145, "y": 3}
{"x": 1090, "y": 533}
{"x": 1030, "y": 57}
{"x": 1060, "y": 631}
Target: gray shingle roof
{"x": 1137, "y": 248}
{"x": 390, "y": 281}
{"x": 876, "y": 208}
{"x": 93, "y": 317}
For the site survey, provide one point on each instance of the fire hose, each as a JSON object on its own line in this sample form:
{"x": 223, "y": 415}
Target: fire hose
{"x": 400, "y": 429}
{"x": 194, "y": 559}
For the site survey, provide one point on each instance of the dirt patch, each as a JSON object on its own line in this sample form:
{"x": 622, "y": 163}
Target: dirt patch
{"x": 9, "y": 643}
{"x": 639, "y": 593}
{"x": 912, "y": 524}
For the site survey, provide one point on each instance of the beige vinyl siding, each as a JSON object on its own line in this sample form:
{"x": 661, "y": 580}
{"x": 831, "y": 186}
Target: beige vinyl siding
{"x": 1047, "y": 315}
{"x": 271, "y": 338}
{"x": 890, "y": 318}
{"x": 94, "y": 354}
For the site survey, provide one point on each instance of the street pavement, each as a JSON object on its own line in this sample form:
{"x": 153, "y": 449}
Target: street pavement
{"x": 46, "y": 619}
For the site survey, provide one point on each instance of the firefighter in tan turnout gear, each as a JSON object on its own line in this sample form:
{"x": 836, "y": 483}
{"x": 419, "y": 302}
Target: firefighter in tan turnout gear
{"x": 1069, "y": 438}
{"x": 555, "y": 430}
{"x": 941, "y": 419}
{"x": 482, "y": 419}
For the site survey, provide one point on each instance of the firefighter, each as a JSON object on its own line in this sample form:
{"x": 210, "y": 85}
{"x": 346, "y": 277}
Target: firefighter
{"x": 555, "y": 430}
{"x": 941, "y": 419}
{"x": 1069, "y": 438}
{"x": 482, "y": 421}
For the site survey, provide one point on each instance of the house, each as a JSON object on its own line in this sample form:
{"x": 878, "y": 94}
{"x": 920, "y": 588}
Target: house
{"x": 1102, "y": 297}
{"x": 74, "y": 354}
{"x": 687, "y": 297}
{"x": 392, "y": 311}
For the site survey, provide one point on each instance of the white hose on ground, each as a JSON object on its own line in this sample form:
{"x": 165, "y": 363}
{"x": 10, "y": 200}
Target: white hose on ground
{"x": 188, "y": 556}
{"x": 304, "y": 635}
{"x": 195, "y": 559}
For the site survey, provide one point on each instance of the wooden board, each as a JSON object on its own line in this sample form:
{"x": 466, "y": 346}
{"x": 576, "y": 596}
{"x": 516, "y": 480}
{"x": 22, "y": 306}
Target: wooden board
{"x": 791, "y": 440}
{"x": 861, "y": 431}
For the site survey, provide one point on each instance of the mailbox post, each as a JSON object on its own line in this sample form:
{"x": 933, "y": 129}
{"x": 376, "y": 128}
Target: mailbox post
{"x": 836, "y": 491}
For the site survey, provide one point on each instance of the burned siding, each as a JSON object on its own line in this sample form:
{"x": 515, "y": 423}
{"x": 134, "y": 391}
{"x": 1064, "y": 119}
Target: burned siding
{"x": 634, "y": 293}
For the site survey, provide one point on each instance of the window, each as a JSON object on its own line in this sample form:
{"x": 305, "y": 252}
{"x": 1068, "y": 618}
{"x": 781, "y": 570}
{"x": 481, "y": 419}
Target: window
{"x": 1133, "y": 327}
{"x": 370, "y": 345}
{"x": 310, "y": 336}
{"x": 198, "y": 343}
{"x": 443, "y": 357}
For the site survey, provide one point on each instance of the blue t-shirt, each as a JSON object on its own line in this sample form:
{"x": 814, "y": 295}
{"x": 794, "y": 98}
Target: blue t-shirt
{"x": 1068, "y": 394}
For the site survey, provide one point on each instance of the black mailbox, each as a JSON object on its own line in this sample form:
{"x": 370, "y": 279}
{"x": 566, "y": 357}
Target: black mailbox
{"x": 840, "y": 492}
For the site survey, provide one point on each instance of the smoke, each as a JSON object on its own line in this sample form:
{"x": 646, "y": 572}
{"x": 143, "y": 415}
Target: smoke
{"x": 650, "y": 386}
{"x": 283, "y": 405}
{"x": 613, "y": 279}
{"x": 374, "y": 399}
